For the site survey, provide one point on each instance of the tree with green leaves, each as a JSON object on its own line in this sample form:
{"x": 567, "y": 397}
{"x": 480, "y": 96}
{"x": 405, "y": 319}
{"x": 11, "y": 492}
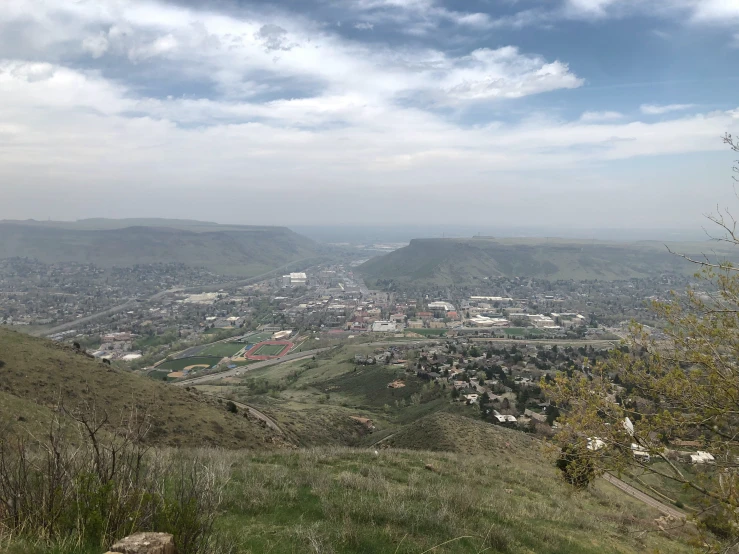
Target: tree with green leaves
{"x": 669, "y": 399}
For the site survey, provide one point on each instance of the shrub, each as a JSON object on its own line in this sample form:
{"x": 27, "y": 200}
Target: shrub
{"x": 231, "y": 407}
{"x": 577, "y": 467}
{"x": 103, "y": 486}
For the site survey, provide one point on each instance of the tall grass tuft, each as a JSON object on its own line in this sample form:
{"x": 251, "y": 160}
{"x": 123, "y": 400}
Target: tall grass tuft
{"x": 78, "y": 489}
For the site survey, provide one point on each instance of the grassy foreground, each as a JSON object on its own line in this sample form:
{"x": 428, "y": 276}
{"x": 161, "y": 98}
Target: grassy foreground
{"x": 355, "y": 501}
{"x": 343, "y": 500}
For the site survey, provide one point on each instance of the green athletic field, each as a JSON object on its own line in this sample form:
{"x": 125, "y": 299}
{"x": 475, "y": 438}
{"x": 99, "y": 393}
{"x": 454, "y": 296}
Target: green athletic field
{"x": 182, "y": 363}
{"x": 269, "y": 350}
{"x": 221, "y": 349}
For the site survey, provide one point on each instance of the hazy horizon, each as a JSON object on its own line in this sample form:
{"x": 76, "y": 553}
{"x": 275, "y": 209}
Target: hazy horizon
{"x": 358, "y": 234}
{"x": 529, "y": 113}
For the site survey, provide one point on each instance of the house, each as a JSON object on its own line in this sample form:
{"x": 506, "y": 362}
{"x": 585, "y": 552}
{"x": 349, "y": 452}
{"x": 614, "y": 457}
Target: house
{"x": 702, "y": 457}
{"x": 533, "y": 415}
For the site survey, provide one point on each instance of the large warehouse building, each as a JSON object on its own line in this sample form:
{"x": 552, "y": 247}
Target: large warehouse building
{"x": 294, "y": 280}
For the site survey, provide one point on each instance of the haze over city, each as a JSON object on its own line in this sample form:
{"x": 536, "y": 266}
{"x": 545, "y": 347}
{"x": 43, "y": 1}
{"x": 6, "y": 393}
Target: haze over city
{"x": 584, "y": 113}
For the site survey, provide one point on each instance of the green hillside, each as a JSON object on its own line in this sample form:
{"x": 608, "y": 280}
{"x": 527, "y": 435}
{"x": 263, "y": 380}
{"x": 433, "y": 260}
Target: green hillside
{"x": 448, "y": 432}
{"x": 455, "y": 261}
{"x": 439, "y": 483}
{"x": 37, "y": 375}
{"x": 226, "y": 249}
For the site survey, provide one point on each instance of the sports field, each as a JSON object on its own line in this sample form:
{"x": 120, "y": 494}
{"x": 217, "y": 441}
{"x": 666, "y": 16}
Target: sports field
{"x": 182, "y": 363}
{"x": 222, "y": 349}
{"x": 268, "y": 349}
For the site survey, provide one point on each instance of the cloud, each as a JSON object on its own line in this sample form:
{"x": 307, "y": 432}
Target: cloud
{"x": 197, "y": 97}
{"x": 273, "y": 37}
{"x": 715, "y": 10}
{"x": 652, "y": 109}
{"x": 417, "y": 17}
{"x": 600, "y": 116}
{"x": 506, "y": 73}
{"x": 364, "y": 26}
{"x": 97, "y": 45}
{"x": 696, "y": 11}
{"x": 588, "y": 8}
{"x": 161, "y": 46}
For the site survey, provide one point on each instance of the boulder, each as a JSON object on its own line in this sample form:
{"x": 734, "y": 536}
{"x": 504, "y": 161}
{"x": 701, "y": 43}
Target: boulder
{"x": 145, "y": 543}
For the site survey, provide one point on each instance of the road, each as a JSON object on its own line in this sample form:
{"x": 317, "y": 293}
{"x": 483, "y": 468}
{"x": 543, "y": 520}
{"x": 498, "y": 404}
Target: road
{"x": 639, "y": 495}
{"x": 245, "y": 369}
{"x": 133, "y": 301}
{"x": 271, "y": 423}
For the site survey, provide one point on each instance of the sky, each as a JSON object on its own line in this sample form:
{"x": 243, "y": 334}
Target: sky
{"x": 579, "y": 113}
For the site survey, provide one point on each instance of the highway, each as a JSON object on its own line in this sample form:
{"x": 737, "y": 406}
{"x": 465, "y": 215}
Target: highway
{"x": 245, "y": 369}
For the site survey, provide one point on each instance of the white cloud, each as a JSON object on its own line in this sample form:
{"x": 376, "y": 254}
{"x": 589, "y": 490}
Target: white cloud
{"x": 652, "y": 109}
{"x": 715, "y": 10}
{"x": 588, "y": 8}
{"x": 600, "y": 116}
{"x": 161, "y": 46}
{"x": 416, "y": 16}
{"x": 97, "y": 45}
{"x": 338, "y": 111}
{"x": 698, "y": 11}
{"x": 506, "y": 73}
{"x": 364, "y": 26}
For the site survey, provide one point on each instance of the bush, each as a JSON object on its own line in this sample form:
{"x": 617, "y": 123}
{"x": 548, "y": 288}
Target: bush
{"x": 720, "y": 523}
{"x": 231, "y": 407}
{"x": 103, "y": 486}
{"x": 577, "y": 467}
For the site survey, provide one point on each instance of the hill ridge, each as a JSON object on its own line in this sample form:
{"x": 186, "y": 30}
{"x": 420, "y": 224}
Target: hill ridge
{"x": 454, "y": 261}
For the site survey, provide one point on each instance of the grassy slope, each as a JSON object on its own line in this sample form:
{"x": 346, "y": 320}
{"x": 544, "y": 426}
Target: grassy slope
{"x": 496, "y": 487}
{"x": 447, "y": 432}
{"x": 454, "y": 261}
{"x": 353, "y": 501}
{"x": 317, "y": 398}
{"x": 236, "y": 250}
{"x": 37, "y": 374}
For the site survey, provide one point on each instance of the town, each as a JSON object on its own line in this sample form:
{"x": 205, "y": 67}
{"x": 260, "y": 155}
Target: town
{"x": 142, "y": 313}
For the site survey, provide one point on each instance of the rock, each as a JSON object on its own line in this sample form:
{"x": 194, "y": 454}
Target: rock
{"x": 145, "y": 543}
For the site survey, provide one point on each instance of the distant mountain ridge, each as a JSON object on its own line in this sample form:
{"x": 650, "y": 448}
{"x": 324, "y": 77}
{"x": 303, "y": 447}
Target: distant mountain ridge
{"x": 463, "y": 261}
{"x": 227, "y": 249}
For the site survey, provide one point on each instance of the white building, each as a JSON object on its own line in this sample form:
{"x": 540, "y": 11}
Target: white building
{"x": 702, "y": 457}
{"x": 294, "y": 280}
{"x": 484, "y": 321}
{"x": 384, "y": 327}
{"x": 446, "y": 306}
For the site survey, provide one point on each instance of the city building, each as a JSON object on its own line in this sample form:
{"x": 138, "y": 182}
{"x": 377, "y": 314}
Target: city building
{"x": 384, "y": 327}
